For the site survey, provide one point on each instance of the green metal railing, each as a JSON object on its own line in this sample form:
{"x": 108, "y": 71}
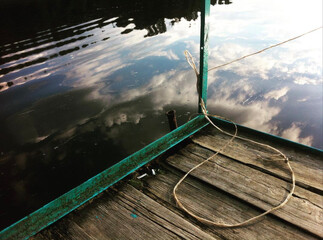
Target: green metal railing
{"x": 71, "y": 200}
{"x": 51, "y": 212}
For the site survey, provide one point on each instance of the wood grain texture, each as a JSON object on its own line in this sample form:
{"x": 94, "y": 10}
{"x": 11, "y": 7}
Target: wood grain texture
{"x": 253, "y": 186}
{"x": 209, "y": 202}
{"x": 126, "y": 214}
{"x": 308, "y": 167}
{"x": 231, "y": 188}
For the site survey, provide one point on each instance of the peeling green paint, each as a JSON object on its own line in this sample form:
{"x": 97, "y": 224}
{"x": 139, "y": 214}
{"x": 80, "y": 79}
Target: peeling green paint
{"x": 66, "y": 203}
{"x": 204, "y": 51}
{"x": 133, "y": 215}
{"x": 71, "y": 200}
{"x": 271, "y": 137}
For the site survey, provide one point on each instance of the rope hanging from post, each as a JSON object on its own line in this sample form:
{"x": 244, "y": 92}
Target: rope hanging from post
{"x": 278, "y": 153}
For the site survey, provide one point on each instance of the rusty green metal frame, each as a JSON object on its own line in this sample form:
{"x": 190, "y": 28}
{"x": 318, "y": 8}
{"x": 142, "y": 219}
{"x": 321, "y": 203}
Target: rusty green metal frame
{"x": 270, "y": 137}
{"x": 58, "y": 208}
{"x": 71, "y": 200}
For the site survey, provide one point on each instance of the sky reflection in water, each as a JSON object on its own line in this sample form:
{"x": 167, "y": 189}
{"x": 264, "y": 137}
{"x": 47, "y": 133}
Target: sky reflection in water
{"x": 84, "y": 96}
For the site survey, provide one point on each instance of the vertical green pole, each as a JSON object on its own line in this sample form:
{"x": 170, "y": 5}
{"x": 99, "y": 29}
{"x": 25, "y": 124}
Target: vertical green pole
{"x": 204, "y": 51}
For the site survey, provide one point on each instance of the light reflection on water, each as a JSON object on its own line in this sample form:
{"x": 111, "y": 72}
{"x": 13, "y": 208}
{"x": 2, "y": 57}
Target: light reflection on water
{"x": 279, "y": 91}
{"x": 88, "y": 92}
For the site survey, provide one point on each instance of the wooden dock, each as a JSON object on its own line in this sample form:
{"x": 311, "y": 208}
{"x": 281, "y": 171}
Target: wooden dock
{"x": 231, "y": 188}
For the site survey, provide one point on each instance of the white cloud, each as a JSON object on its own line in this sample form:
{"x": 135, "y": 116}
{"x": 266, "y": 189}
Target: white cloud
{"x": 302, "y": 100}
{"x": 293, "y": 133}
{"x": 257, "y": 115}
{"x": 276, "y": 94}
{"x": 306, "y": 80}
{"x": 122, "y": 116}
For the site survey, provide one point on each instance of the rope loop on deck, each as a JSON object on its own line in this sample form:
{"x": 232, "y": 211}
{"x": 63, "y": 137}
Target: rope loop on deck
{"x": 274, "y": 157}
{"x": 233, "y": 136}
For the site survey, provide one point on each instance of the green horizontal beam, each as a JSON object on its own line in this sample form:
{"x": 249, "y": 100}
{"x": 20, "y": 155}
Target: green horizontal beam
{"x": 271, "y": 137}
{"x": 58, "y": 208}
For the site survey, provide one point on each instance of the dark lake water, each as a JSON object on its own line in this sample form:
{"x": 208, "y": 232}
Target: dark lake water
{"x": 84, "y": 84}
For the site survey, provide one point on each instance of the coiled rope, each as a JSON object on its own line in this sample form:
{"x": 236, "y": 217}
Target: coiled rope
{"x": 279, "y": 154}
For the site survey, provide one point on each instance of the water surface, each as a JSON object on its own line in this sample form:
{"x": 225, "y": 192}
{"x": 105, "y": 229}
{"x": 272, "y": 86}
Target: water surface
{"x": 84, "y": 84}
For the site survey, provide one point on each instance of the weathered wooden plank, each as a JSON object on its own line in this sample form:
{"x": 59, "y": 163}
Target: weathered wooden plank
{"x": 126, "y": 214}
{"x": 308, "y": 167}
{"x": 66, "y": 203}
{"x": 207, "y": 201}
{"x": 66, "y": 229}
{"x": 255, "y": 187}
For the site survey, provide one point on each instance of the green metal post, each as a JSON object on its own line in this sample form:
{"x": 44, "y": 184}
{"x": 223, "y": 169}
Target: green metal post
{"x": 69, "y": 201}
{"x": 204, "y": 51}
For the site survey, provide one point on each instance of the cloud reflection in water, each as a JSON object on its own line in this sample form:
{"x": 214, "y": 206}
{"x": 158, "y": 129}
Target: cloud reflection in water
{"x": 88, "y": 108}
